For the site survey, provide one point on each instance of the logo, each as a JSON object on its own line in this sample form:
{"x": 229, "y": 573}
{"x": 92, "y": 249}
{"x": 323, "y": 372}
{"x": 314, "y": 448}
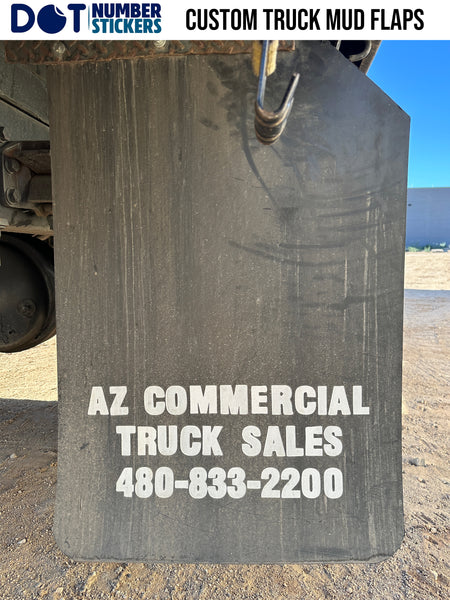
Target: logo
{"x": 101, "y": 18}
{"x": 50, "y": 18}
{"x": 128, "y": 18}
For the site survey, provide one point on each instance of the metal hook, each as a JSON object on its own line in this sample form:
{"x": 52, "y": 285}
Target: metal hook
{"x": 270, "y": 125}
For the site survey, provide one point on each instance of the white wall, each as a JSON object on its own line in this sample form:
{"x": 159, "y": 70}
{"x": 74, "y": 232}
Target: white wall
{"x": 428, "y": 216}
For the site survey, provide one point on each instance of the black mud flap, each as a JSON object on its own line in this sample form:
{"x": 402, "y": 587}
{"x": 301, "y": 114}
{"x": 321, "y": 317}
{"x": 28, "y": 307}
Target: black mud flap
{"x": 229, "y": 314}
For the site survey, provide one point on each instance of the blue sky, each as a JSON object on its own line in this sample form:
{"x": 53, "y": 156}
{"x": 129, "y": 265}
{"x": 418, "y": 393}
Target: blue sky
{"x": 416, "y": 75}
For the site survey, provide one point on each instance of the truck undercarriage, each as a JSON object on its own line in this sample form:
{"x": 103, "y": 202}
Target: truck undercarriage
{"x": 26, "y": 210}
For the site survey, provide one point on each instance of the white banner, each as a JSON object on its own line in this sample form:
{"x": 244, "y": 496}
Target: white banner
{"x": 224, "y": 20}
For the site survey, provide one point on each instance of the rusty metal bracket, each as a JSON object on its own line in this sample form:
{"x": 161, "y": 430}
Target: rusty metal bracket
{"x": 25, "y": 177}
{"x": 56, "y": 52}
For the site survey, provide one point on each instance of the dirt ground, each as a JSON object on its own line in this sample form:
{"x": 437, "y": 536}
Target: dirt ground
{"x": 32, "y": 567}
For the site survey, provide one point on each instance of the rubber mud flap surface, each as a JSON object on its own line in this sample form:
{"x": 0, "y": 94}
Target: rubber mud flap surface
{"x": 229, "y": 315}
